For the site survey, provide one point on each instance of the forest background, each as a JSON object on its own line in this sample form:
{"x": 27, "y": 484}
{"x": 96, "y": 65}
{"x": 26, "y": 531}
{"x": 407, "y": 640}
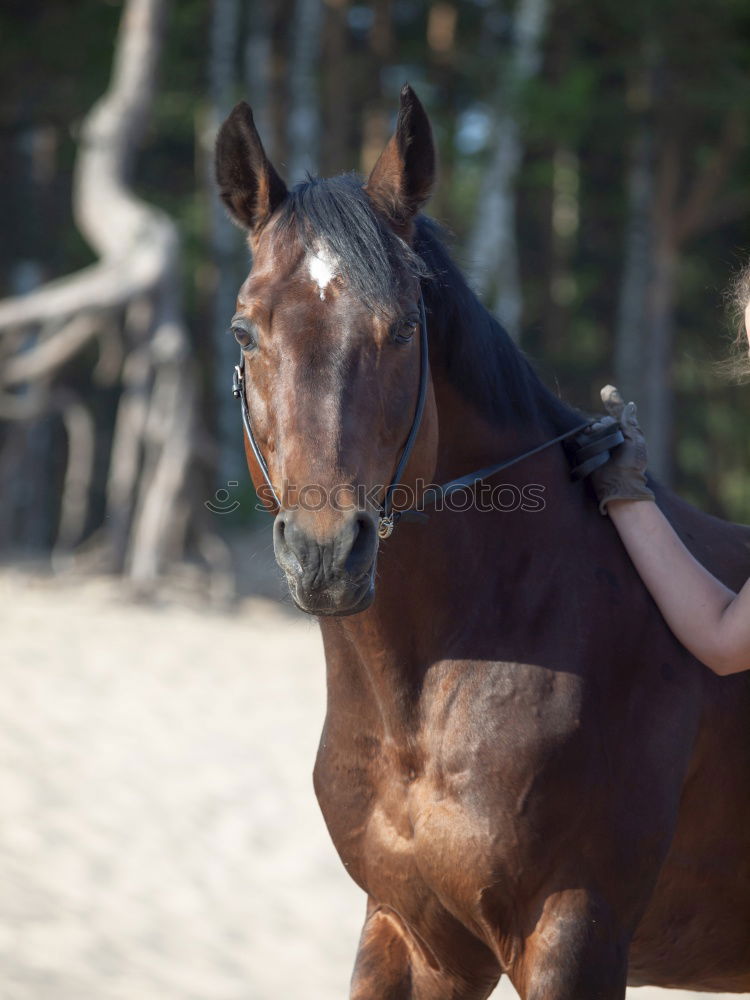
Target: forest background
{"x": 595, "y": 175}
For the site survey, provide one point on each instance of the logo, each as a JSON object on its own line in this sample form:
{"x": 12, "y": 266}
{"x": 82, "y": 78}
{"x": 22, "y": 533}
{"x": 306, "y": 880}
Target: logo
{"x": 222, "y": 502}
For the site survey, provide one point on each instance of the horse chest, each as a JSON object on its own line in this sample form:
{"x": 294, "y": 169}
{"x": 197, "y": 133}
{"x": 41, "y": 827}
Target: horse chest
{"x": 406, "y": 845}
{"x": 448, "y": 808}
{"x": 410, "y": 839}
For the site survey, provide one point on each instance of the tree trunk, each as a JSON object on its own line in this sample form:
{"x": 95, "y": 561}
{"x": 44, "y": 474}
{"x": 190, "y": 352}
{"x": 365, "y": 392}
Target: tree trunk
{"x": 337, "y": 88}
{"x": 259, "y": 71}
{"x": 224, "y": 243}
{"x": 492, "y": 247}
{"x": 138, "y": 274}
{"x": 377, "y": 107}
{"x": 657, "y": 399}
{"x": 304, "y": 122}
{"x": 661, "y": 219}
{"x": 631, "y": 342}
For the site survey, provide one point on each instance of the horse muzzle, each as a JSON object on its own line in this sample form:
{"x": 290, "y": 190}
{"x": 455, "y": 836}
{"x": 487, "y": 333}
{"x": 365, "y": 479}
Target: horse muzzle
{"x": 333, "y": 575}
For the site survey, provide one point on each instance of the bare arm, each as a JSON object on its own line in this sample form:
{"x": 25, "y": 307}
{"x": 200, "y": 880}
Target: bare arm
{"x": 708, "y": 618}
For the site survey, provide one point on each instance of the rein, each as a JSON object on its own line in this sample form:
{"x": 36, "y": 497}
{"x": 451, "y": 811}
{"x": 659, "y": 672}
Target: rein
{"x": 589, "y": 452}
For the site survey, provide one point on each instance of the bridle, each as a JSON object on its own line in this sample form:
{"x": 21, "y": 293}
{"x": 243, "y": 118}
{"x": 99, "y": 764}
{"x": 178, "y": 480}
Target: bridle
{"x": 387, "y": 516}
{"x": 589, "y": 452}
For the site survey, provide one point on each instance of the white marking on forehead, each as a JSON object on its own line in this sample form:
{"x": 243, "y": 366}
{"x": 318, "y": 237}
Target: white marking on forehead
{"x": 322, "y": 268}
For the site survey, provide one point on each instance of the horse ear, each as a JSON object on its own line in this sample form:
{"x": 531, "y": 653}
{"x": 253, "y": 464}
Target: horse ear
{"x": 402, "y": 179}
{"x": 248, "y": 183}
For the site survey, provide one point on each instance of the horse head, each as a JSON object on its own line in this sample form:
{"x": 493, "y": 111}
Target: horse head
{"x": 327, "y": 321}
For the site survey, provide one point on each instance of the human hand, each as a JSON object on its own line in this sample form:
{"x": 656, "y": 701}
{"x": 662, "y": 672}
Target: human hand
{"x": 623, "y": 477}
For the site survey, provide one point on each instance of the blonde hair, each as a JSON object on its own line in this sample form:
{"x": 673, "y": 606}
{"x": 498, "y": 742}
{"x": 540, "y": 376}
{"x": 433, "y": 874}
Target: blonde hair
{"x": 737, "y": 366}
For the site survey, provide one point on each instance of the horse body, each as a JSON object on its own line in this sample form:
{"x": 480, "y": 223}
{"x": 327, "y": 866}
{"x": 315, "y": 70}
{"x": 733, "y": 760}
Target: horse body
{"x": 522, "y": 725}
{"x": 520, "y": 765}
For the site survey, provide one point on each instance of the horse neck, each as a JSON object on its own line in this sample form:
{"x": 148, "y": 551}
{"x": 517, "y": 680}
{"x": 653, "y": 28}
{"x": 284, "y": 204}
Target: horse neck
{"x": 469, "y": 441}
{"x": 379, "y": 658}
{"x": 523, "y": 414}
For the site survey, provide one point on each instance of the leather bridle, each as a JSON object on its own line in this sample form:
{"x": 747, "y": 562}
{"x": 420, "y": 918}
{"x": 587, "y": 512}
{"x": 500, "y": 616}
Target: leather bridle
{"x": 591, "y": 451}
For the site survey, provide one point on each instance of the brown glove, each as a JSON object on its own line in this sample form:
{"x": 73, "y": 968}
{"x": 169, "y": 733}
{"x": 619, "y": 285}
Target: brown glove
{"x": 623, "y": 477}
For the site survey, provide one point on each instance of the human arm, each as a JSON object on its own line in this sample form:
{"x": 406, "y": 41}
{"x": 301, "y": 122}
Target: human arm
{"x": 708, "y": 618}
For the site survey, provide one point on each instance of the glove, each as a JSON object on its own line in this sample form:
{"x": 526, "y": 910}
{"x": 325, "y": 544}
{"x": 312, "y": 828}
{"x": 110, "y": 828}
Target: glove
{"x": 623, "y": 477}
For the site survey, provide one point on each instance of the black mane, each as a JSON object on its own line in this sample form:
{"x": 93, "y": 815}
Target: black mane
{"x": 479, "y": 356}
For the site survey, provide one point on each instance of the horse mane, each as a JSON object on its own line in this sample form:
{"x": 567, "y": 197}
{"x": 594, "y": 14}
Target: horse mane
{"x": 480, "y": 359}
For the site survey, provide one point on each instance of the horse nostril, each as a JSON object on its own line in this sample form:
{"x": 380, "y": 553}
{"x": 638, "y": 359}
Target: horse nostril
{"x": 364, "y": 541}
{"x": 283, "y": 544}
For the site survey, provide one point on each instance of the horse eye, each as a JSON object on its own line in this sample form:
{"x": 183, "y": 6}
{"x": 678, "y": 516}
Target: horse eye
{"x": 245, "y": 334}
{"x": 405, "y": 328}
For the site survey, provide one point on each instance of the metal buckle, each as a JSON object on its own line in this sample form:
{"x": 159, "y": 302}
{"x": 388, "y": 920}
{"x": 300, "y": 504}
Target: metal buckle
{"x": 386, "y": 526}
{"x": 236, "y": 382}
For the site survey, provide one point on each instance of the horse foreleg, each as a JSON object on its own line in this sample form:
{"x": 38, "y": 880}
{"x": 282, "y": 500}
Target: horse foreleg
{"x": 578, "y": 950}
{"x": 393, "y": 965}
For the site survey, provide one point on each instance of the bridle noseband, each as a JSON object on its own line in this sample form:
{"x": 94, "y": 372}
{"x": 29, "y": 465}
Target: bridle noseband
{"x": 590, "y": 451}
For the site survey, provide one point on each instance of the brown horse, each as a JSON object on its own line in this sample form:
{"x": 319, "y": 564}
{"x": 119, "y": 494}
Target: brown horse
{"x": 520, "y": 766}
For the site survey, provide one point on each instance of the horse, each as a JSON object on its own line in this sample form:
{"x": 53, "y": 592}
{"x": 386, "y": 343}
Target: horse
{"x": 520, "y": 766}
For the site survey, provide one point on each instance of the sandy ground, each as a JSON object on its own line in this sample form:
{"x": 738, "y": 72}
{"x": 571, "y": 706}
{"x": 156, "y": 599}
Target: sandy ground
{"x": 160, "y": 838}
